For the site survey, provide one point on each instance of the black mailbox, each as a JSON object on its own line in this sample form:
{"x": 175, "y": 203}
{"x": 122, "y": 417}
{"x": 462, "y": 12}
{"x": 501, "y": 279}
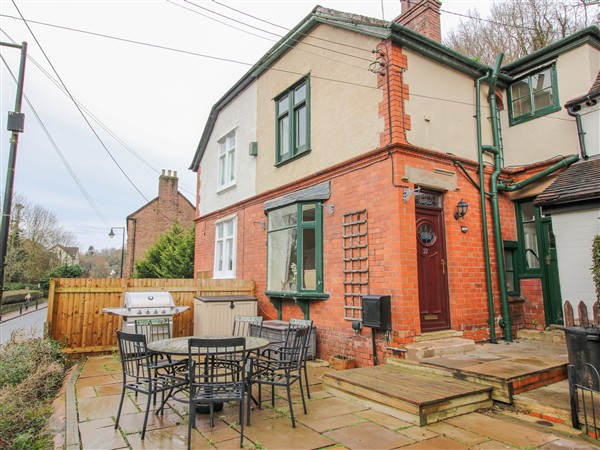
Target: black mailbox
{"x": 377, "y": 311}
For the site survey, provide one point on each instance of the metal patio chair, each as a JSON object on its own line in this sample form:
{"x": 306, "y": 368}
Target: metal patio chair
{"x": 242, "y": 325}
{"x": 217, "y": 374}
{"x": 300, "y": 323}
{"x": 140, "y": 376}
{"x": 284, "y": 370}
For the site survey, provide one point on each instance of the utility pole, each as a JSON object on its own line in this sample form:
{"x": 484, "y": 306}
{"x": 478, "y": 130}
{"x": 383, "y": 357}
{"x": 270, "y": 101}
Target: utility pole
{"x": 16, "y": 122}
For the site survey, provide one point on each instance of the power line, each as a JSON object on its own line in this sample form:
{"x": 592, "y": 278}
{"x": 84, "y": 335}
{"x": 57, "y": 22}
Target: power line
{"x": 274, "y": 34}
{"x": 93, "y": 116}
{"x": 75, "y": 103}
{"x": 60, "y": 154}
{"x": 287, "y": 29}
{"x": 261, "y": 37}
{"x": 201, "y": 55}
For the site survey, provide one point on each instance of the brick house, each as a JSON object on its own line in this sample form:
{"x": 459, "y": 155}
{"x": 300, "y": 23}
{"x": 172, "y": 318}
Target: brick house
{"x": 146, "y": 224}
{"x": 334, "y": 169}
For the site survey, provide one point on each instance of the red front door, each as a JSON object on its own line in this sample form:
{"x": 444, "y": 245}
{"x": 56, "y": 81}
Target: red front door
{"x": 431, "y": 266}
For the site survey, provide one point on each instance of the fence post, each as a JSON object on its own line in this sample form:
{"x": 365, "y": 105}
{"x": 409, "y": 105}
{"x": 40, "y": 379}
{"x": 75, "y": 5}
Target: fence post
{"x": 50, "y": 307}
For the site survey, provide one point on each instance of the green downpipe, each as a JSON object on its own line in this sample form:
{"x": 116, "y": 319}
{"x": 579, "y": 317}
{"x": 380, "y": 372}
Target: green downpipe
{"x": 521, "y": 184}
{"x": 484, "y": 226}
{"x": 505, "y": 323}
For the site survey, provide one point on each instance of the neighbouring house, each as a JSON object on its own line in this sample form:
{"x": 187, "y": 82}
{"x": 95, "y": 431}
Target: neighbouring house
{"x": 361, "y": 157}
{"x": 157, "y": 216}
{"x": 65, "y": 255}
{"x": 573, "y": 203}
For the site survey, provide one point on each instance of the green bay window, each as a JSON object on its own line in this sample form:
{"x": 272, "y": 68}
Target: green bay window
{"x": 533, "y": 96}
{"x": 295, "y": 249}
{"x": 293, "y": 121}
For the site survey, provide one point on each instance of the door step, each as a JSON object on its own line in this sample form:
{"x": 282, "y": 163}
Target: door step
{"x": 419, "y": 350}
{"x": 555, "y": 335}
{"x": 434, "y": 335}
{"x": 417, "y": 397}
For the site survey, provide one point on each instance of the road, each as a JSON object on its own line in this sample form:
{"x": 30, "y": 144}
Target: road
{"x": 32, "y": 324}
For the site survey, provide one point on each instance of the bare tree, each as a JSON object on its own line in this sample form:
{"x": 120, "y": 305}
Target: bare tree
{"x": 519, "y": 27}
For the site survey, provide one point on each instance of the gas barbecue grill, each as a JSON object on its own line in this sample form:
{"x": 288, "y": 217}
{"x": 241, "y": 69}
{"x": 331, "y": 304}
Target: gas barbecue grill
{"x": 146, "y": 305}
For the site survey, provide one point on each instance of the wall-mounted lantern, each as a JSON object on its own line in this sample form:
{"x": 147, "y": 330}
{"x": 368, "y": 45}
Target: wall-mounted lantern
{"x": 461, "y": 209}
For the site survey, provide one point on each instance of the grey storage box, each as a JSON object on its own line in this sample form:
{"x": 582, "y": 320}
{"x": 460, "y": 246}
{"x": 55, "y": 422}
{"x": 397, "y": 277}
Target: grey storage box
{"x": 275, "y": 330}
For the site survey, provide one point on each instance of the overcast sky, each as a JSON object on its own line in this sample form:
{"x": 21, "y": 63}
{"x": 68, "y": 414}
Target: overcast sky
{"x": 154, "y": 100}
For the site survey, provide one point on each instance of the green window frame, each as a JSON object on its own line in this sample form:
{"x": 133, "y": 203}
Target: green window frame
{"x": 295, "y": 249}
{"x": 292, "y": 109}
{"x": 529, "y": 219}
{"x": 533, "y": 96}
{"x": 511, "y": 267}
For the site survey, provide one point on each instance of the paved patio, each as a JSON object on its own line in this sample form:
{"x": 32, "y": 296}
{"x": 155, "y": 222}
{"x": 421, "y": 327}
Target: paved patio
{"x": 85, "y": 410}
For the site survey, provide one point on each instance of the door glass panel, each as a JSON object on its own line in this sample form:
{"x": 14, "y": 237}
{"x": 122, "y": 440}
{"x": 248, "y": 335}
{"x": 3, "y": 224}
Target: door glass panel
{"x": 428, "y": 199}
{"x": 426, "y": 234}
{"x": 527, "y": 212}
{"x": 532, "y": 253}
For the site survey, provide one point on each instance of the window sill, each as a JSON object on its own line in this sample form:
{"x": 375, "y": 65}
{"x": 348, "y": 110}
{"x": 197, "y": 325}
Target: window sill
{"x": 292, "y": 158}
{"x": 223, "y": 277}
{"x": 298, "y": 295}
{"x": 536, "y": 115}
{"x": 226, "y": 187}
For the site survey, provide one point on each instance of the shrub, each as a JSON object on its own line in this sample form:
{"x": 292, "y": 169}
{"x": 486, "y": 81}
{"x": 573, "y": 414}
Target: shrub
{"x": 18, "y": 296}
{"x": 31, "y": 372}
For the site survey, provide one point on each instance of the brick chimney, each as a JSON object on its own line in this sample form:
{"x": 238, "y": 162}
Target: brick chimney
{"x": 167, "y": 188}
{"x": 422, "y": 16}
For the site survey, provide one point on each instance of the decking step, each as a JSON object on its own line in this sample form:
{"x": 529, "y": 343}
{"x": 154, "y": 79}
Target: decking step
{"x": 508, "y": 376}
{"x": 416, "y": 397}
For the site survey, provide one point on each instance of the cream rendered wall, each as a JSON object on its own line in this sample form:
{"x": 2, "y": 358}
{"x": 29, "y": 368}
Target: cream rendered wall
{"x": 441, "y": 106}
{"x": 590, "y": 122}
{"x": 344, "y": 118}
{"x": 556, "y": 133}
{"x": 240, "y": 115}
{"x": 574, "y": 232}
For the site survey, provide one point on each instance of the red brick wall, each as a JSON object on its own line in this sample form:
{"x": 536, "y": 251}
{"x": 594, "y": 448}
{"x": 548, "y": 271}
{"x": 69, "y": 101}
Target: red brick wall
{"x": 149, "y": 222}
{"x": 392, "y": 252}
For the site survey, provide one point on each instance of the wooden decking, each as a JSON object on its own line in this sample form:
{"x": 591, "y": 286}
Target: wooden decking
{"x": 415, "y": 397}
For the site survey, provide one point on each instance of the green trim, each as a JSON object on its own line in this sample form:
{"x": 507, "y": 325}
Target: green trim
{"x": 293, "y": 158}
{"x": 589, "y": 35}
{"x": 534, "y": 114}
{"x": 524, "y": 270}
{"x": 513, "y": 248}
{"x": 301, "y": 295}
{"x": 290, "y": 114}
{"x": 300, "y": 226}
{"x": 277, "y": 303}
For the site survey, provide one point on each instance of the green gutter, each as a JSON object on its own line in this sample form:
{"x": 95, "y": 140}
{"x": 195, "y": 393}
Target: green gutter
{"x": 589, "y": 35}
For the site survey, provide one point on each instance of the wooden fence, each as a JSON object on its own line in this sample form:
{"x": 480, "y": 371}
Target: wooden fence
{"x": 75, "y": 305}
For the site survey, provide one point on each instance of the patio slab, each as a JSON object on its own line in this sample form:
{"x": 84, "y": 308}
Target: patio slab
{"x": 369, "y": 435}
{"x": 100, "y": 434}
{"x": 101, "y": 407}
{"x": 279, "y": 434}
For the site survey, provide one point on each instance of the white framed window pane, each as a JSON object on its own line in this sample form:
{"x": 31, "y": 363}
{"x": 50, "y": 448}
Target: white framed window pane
{"x": 219, "y": 256}
{"x": 221, "y": 148}
{"x": 231, "y": 141}
{"x": 229, "y": 254}
{"x": 231, "y": 165}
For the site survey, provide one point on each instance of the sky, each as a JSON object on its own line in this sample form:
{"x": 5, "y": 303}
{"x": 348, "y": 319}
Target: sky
{"x": 149, "y": 99}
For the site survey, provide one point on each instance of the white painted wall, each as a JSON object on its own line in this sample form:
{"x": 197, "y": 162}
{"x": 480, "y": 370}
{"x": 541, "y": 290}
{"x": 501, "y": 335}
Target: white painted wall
{"x": 553, "y": 134}
{"x": 575, "y": 233}
{"x": 240, "y": 115}
{"x": 590, "y": 123}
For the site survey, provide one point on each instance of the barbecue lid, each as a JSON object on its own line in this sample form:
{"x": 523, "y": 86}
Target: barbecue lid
{"x": 147, "y": 299}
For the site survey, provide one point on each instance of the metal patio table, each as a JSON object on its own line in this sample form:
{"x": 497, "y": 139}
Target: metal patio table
{"x": 179, "y": 346}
